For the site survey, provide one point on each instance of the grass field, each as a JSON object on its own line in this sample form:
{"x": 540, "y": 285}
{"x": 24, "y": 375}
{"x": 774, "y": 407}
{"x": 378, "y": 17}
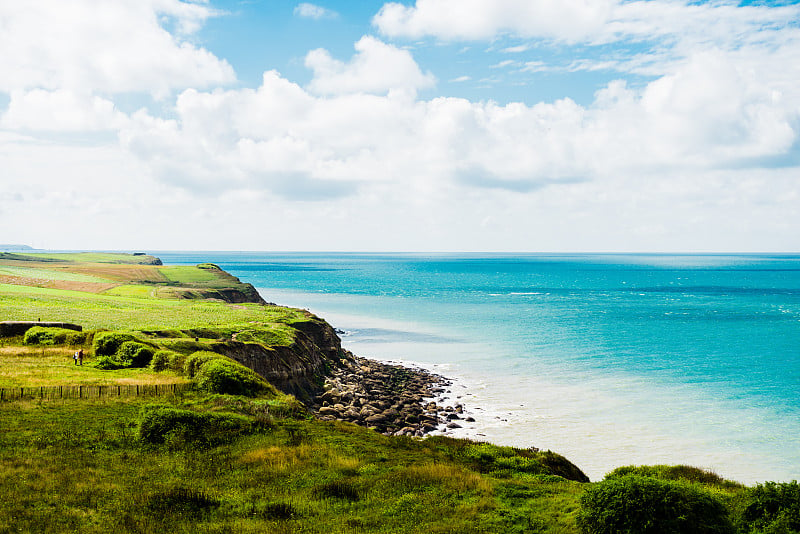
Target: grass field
{"x": 54, "y": 366}
{"x": 140, "y": 276}
{"x": 93, "y": 311}
{"x": 79, "y": 467}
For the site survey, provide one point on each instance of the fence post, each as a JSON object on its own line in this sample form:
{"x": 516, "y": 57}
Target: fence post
{"x": 80, "y": 392}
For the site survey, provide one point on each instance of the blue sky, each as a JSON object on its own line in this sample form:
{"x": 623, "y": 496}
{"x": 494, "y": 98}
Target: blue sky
{"x": 424, "y": 125}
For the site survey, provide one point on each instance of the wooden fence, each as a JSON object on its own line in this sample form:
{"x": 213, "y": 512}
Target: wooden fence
{"x": 93, "y": 392}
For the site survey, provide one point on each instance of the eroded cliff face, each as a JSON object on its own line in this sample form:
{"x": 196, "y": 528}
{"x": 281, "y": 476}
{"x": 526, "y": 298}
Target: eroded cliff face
{"x": 299, "y": 369}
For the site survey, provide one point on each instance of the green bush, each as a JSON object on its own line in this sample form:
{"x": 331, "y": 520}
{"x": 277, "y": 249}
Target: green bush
{"x": 160, "y": 361}
{"x": 674, "y": 472}
{"x": 176, "y": 361}
{"x": 130, "y": 354}
{"x": 771, "y": 508}
{"x": 167, "y": 360}
{"x": 138, "y": 354}
{"x": 108, "y": 343}
{"x": 172, "y": 426}
{"x": 196, "y": 359}
{"x": 640, "y": 505}
{"x": 48, "y": 335}
{"x": 228, "y": 377}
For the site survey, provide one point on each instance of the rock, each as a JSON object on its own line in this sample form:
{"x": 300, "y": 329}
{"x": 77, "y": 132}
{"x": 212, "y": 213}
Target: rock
{"x": 376, "y": 419}
{"x": 453, "y": 425}
{"x": 392, "y": 399}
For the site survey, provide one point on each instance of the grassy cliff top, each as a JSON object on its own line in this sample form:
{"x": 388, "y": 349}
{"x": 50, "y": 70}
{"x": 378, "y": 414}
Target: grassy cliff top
{"x": 125, "y": 275}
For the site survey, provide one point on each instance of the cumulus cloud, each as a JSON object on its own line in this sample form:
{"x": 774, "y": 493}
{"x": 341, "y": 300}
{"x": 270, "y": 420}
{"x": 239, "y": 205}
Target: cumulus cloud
{"x": 111, "y": 47}
{"x": 377, "y": 67}
{"x": 312, "y": 11}
{"x": 707, "y": 115}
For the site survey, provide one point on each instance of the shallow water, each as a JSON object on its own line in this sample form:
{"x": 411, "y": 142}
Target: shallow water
{"x": 608, "y": 359}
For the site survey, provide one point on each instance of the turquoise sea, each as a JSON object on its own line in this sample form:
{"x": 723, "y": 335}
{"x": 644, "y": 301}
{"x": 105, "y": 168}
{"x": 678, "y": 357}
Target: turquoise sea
{"x": 608, "y": 359}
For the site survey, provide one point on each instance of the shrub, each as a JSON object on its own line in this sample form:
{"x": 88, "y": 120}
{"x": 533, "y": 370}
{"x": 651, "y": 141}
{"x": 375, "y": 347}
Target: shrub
{"x": 640, "y": 505}
{"x": 229, "y": 377}
{"x": 771, "y": 508}
{"x": 196, "y": 359}
{"x": 108, "y": 343}
{"x": 176, "y": 361}
{"x": 130, "y": 354}
{"x": 164, "y": 359}
{"x": 138, "y": 354}
{"x": 162, "y": 424}
{"x": 42, "y": 335}
{"x": 160, "y": 361}
{"x": 507, "y": 461}
{"x": 674, "y": 472}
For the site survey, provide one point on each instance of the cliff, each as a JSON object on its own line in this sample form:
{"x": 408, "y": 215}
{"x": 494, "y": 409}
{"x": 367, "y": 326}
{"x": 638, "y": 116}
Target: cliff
{"x": 299, "y": 368}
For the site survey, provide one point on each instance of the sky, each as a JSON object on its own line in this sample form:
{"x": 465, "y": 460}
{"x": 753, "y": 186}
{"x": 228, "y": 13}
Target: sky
{"x": 426, "y": 125}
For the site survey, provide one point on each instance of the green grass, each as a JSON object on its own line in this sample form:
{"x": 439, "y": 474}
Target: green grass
{"x": 188, "y": 274}
{"x": 131, "y": 291}
{"x": 54, "y": 366}
{"x": 79, "y": 257}
{"x": 48, "y": 274}
{"x": 120, "y": 313}
{"x": 78, "y": 466}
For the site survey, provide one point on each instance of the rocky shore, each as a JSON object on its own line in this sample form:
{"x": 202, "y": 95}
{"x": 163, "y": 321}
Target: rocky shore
{"x": 393, "y": 399}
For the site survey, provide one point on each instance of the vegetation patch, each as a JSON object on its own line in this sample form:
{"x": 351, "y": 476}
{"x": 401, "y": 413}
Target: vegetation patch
{"x": 770, "y": 508}
{"x": 176, "y": 427}
{"x": 232, "y": 378}
{"x": 183, "y": 502}
{"x": 674, "y": 472}
{"x": 108, "y": 343}
{"x": 40, "y": 335}
{"x": 640, "y": 505}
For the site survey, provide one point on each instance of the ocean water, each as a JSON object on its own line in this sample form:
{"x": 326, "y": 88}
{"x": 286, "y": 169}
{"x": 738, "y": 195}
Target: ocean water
{"x": 610, "y": 360}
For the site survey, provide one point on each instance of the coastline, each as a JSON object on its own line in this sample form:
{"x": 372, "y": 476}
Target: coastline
{"x": 602, "y": 396}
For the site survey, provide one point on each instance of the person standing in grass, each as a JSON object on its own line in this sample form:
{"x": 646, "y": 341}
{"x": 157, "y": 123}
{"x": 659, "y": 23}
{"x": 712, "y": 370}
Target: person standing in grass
{"x": 78, "y": 357}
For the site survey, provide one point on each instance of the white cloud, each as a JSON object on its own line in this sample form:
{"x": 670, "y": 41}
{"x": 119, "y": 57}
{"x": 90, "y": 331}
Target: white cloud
{"x": 570, "y": 20}
{"x": 313, "y": 11}
{"x": 110, "y": 47}
{"x": 589, "y": 21}
{"x": 708, "y": 115}
{"x": 377, "y": 68}
{"x": 60, "y": 111}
